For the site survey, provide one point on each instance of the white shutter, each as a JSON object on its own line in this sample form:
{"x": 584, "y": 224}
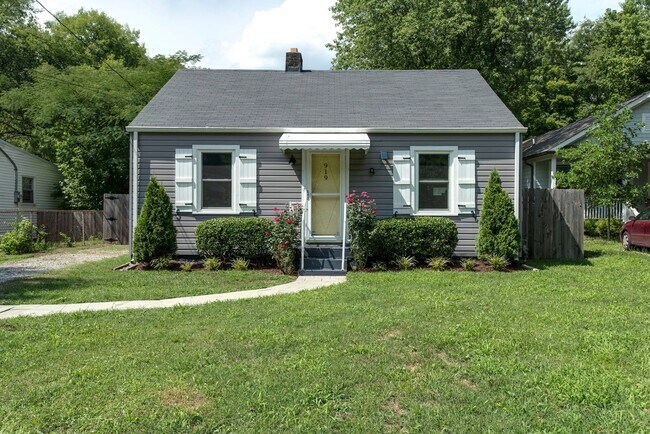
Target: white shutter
{"x": 466, "y": 181}
{"x": 247, "y": 161}
{"x": 184, "y": 180}
{"x": 402, "y": 184}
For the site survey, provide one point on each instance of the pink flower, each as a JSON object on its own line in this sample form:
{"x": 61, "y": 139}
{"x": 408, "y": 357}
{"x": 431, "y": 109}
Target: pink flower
{"x": 275, "y": 209}
{"x": 289, "y": 220}
{"x": 267, "y": 233}
{"x": 276, "y": 219}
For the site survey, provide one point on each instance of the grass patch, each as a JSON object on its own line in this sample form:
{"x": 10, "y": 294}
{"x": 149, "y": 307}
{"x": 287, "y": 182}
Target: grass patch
{"x": 61, "y": 248}
{"x": 563, "y": 349}
{"x": 96, "y": 281}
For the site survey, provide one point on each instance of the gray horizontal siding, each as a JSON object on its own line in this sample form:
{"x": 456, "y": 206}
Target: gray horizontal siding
{"x": 493, "y": 150}
{"x": 279, "y": 183}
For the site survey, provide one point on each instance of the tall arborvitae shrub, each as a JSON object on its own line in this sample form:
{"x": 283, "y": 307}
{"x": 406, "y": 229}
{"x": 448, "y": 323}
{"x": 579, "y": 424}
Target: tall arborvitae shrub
{"x": 155, "y": 234}
{"x": 498, "y": 233}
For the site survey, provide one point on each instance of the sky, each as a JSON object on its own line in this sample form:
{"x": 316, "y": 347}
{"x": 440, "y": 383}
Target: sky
{"x": 242, "y": 34}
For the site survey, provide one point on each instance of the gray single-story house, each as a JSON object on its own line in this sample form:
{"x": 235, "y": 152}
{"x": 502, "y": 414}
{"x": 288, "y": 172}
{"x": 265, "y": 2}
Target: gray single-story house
{"x": 540, "y": 153}
{"x": 243, "y": 142}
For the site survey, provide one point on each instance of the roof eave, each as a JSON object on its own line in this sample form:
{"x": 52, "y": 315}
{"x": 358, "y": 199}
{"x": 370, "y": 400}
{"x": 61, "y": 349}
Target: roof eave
{"x": 152, "y": 129}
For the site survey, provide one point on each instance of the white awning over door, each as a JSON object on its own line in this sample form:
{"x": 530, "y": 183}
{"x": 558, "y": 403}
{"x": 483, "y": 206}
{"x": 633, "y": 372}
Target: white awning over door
{"x": 325, "y": 142}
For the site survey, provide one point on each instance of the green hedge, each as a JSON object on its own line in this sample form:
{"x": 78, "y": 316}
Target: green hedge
{"x": 421, "y": 237}
{"x": 598, "y": 227}
{"x": 232, "y": 238}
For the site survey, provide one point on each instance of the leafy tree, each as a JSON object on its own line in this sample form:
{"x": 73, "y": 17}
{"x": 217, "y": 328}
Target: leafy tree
{"x": 73, "y": 110}
{"x": 19, "y": 52}
{"x": 613, "y": 54}
{"x": 607, "y": 165}
{"x": 519, "y": 46}
{"x": 100, "y": 38}
{"x": 155, "y": 234}
{"x": 498, "y": 234}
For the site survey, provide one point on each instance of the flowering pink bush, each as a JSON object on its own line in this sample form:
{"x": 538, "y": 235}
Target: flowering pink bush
{"x": 361, "y": 221}
{"x": 283, "y": 237}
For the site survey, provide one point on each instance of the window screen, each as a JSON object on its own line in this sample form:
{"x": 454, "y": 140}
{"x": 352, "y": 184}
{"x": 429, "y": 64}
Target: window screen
{"x": 28, "y": 189}
{"x": 433, "y": 182}
{"x": 216, "y": 180}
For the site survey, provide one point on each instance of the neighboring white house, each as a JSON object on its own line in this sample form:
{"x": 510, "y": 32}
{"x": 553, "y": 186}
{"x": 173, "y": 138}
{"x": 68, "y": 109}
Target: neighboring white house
{"x": 540, "y": 153}
{"x": 26, "y": 180}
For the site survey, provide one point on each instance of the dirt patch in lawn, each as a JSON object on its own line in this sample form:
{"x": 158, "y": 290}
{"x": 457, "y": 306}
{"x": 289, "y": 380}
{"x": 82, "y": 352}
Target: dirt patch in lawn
{"x": 469, "y": 384}
{"x": 7, "y": 327}
{"x": 447, "y": 360}
{"x": 183, "y": 397}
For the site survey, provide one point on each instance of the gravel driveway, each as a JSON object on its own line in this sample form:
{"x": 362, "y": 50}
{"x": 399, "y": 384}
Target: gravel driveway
{"x": 54, "y": 261}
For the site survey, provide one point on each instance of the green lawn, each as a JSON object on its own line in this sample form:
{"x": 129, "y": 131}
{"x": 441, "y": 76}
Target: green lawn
{"x": 60, "y": 248}
{"x": 96, "y": 281}
{"x": 563, "y": 349}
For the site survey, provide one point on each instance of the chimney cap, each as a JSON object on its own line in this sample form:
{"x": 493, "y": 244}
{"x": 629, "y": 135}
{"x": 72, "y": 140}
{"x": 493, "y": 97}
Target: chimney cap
{"x": 293, "y": 50}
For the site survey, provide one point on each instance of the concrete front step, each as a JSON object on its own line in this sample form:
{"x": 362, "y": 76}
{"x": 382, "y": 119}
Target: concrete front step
{"x": 324, "y": 260}
{"x": 322, "y": 273}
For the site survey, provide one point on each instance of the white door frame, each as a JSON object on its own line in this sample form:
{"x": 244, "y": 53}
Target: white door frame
{"x": 306, "y": 191}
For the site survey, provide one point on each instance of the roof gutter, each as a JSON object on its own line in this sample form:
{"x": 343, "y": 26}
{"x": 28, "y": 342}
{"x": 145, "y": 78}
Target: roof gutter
{"x": 16, "y": 192}
{"x": 149, "y": 129}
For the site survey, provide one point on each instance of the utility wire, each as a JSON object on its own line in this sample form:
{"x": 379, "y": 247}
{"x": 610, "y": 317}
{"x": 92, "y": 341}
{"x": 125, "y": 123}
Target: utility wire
{"x": 80, "y": 39}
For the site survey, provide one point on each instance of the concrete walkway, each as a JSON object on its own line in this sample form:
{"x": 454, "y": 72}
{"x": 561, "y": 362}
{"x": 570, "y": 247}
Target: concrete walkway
{"x": 302, "y": 283}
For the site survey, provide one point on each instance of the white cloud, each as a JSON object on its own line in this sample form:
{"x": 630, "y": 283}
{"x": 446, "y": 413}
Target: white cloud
{"x": 304, "y": 24}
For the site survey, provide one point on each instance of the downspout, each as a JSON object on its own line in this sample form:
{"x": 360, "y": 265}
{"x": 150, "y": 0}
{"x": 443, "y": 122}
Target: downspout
{"x": 16, "y": 191}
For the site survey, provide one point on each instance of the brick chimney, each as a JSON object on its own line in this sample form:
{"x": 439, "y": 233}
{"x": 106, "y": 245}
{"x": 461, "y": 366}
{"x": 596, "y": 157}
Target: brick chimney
{"x": 294, "y": 61}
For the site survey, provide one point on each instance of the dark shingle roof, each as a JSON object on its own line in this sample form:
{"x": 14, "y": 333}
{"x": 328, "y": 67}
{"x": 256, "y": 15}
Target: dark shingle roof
{"x": 546, "y": 142}
{"x": 436, "y": 99}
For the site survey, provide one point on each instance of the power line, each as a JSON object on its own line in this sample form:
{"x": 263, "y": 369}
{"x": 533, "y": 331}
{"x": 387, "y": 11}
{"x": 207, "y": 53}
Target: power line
{"x": 80, "y": 39}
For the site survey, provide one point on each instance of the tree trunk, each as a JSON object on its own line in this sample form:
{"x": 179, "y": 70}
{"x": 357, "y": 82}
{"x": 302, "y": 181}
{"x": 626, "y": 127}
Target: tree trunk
{"x": 609, "y": 222}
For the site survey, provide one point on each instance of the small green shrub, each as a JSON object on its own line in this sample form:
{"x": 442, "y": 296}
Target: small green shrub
{"x": 161, "y": 263}
{"x": 498, "y": 263}
{"x": 212, "y": 264}
{"x": 498, "y": 226}
{"x": 65, "y": 239}
{"x": 421, "y": 237}
{"x": 438, "y": 263}
{"x": 590, "y": 227}
{"x": 227, "y": 239}
{"x": 155, "y": 234}
{"x": 601, "y": 227}
{"x": 25, "y": 237}
{"x": 379, "y": 266}
{"x": 405, "y": 262}
{"x": 186, "y": 266}
{"x": 468, "y": 264}
{"x": 240, "y": 264}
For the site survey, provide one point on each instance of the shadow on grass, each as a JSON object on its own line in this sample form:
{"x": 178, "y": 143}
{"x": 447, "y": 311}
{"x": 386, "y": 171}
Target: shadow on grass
{"x": 545, "y": 264}
{"x": 25, "y": 289}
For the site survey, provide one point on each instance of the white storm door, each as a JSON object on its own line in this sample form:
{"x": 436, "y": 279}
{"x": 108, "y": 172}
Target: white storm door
{"x": 325, "y": 195}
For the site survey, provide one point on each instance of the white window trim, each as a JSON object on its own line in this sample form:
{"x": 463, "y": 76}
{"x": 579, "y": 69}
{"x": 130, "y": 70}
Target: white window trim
{"x": 645, "y": 119}
{"x": 197, "y": 152}
{"x": 452, "y": 151}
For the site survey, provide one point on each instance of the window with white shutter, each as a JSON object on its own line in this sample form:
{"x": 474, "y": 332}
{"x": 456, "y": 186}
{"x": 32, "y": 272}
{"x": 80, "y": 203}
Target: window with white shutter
{"x": 402, "y": 184}
{"x": 466, "y": 181}
{"x": 184, "y": 191}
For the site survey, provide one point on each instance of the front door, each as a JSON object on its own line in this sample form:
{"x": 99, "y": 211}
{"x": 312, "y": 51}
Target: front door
{"x": 325, "y": 196}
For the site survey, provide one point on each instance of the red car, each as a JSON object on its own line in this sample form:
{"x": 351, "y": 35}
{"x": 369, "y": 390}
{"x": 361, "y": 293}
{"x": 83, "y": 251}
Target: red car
{"x": 636, "y": 232}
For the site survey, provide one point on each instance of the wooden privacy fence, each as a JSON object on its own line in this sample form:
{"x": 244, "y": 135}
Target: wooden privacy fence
{"x": 111, "y": 224}
{"x": 116, "y": 218}
{"x": 553, "y": 223}
{"x": 78, "y": 225}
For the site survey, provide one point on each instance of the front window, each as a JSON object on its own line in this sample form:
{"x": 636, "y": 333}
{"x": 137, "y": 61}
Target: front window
{"x": 433, "y": 182}
{"x": 28, "y": 189}
{"x": 216, "y": 179}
